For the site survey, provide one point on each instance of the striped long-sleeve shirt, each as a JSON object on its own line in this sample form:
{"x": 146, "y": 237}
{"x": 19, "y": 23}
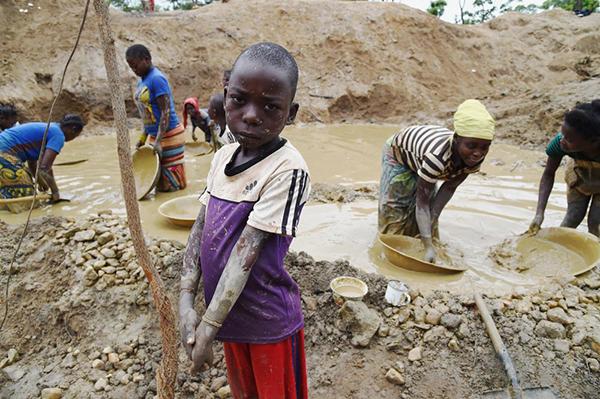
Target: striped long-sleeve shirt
{"x": 427, "y": 150}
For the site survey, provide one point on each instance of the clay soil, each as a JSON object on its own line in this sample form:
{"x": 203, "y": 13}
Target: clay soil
{"x": 359, "y": 61}
{"x": 81, "y": 319}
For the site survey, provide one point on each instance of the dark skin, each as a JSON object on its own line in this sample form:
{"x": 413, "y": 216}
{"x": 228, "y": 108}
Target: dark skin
{"x": 576, "y": 210}
{"x": 7, "y": 121}
{"x": 141, "y": 67}
{"x": 216, "y": 112}
{"x": 225, "y": 78}
{"x": 259, "y": 104}
{"x": 46, "y": 175}
{"x": 466, "y": 152}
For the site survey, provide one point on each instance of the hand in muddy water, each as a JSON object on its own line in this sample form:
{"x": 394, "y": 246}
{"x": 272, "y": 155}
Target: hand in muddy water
{"x": 202, "y": 353}
{"x": 189, "y": 321}
{"x": 535, "y": 225}
{"x": 430, "y": 254}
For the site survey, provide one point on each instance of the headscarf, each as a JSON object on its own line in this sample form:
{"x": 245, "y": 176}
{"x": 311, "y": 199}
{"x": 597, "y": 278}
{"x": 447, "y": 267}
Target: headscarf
{"x": 473, "y": 120}
{"x": 194, "y": 102}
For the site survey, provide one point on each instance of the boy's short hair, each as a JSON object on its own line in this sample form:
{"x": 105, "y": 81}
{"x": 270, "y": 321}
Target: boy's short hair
{"x": 138, "y": 52}
{"x": 585, "y": 119}
{"x": 275, "y": 55}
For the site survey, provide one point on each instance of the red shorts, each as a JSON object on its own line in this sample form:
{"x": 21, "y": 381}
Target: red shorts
{"x": 267, "y": 371}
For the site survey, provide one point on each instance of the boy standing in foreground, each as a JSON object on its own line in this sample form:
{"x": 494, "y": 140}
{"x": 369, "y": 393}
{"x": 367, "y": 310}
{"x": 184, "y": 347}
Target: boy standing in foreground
{"x": 256, "y": 190}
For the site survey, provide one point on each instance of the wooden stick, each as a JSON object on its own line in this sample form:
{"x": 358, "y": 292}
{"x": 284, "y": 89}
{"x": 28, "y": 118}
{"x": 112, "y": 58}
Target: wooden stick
{"x": 166, "y": 376}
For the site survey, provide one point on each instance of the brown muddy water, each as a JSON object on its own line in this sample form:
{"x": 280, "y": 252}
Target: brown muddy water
{"x": 488, "y": 208}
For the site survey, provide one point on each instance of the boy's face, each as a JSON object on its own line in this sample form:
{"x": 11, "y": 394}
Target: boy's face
{"x": 471, "y": 150}
{"x": 258, "y": 103}
{"x": 139, "y": 66}
{"x": 189, "y": 109}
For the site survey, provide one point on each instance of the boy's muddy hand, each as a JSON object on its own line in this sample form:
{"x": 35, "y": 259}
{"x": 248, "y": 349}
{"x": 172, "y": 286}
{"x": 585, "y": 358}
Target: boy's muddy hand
{"x": 139, "y": 144}
{"x": 202, "y": 352}
{"x": 189, "y": 321}
{"x": 430, "y": 254}
{"x": 194, "y": 137}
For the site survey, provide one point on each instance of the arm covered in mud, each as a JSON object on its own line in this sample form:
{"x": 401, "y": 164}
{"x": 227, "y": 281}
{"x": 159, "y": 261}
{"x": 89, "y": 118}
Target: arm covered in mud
{"x": 425, "y": 191}
{"x": 190, "y": 278}
{"x": 444, "y": 195}
{"x": 546, "y": 185}
{"x": 230, "y": 286}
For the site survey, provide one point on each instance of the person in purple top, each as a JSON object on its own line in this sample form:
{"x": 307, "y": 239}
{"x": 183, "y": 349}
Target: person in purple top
{"x": 256, "y": 190}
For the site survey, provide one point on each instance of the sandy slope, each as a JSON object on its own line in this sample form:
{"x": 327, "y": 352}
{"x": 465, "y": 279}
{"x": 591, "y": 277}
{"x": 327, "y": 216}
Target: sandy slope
{"x": 359, "y": 61}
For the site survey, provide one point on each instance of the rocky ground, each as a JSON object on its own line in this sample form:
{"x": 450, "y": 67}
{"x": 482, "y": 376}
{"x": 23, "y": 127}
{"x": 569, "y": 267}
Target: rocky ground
{"x": 81, "y": 325}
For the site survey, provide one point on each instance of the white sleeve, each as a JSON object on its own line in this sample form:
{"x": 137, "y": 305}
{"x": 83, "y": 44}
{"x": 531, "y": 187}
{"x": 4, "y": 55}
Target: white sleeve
{"x": 280, "y": 203}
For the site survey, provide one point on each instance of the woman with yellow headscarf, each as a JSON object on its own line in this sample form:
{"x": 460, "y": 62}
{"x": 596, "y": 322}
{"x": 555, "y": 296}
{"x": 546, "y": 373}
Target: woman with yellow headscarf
{"x": 415, "y": 159}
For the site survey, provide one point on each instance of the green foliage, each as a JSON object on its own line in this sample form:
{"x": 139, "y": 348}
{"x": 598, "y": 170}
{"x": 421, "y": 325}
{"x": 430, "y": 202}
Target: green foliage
{"x": 571, "y": 5}
{"x": 525, "y": 9}
{"x": 127, "y": 5}
{"x": 436, "y": 7}
{"x": 482, "y": 11}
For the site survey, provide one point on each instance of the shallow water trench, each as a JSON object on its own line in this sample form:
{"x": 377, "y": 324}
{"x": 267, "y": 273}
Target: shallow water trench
{"x": 489, "y": 207}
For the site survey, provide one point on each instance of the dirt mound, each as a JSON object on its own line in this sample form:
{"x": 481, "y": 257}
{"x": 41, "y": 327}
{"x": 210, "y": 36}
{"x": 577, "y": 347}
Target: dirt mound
{"x": 359, "y": 61}
{"x": 81, "y": 323}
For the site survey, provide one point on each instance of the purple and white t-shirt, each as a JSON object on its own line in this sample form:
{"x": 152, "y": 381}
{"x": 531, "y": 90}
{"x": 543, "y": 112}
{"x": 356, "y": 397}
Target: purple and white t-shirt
{"x": 267, "y": 193}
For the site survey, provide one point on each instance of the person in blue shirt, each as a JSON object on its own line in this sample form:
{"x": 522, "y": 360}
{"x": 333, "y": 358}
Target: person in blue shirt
{"x": 20, "y": 148}
{"x": 579, "y": 141}
{"x": 154, "y": 99}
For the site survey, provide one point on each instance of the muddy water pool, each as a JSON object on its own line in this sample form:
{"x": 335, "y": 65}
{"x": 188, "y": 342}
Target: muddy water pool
{"x": 486, "y": 209}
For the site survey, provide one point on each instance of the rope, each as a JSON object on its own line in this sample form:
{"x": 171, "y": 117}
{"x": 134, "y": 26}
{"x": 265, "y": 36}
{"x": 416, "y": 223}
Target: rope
{"x": 37, "y": 169}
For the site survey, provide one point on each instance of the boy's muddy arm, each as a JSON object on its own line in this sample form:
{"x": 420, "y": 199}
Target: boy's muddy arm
{"x": 163, "y": 125}
{"x": 423, "y": 214}
{"x": 190, "y": 277}
{"x": 230, "y": 286}
{"x": 546, "y": 184}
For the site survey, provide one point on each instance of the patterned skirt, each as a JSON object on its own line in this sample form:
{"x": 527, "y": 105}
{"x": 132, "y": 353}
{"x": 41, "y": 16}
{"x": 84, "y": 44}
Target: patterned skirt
{"x": 15, "y": 180}
{"x": 397, "y": 196}
{"x": 172, "y": 170}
